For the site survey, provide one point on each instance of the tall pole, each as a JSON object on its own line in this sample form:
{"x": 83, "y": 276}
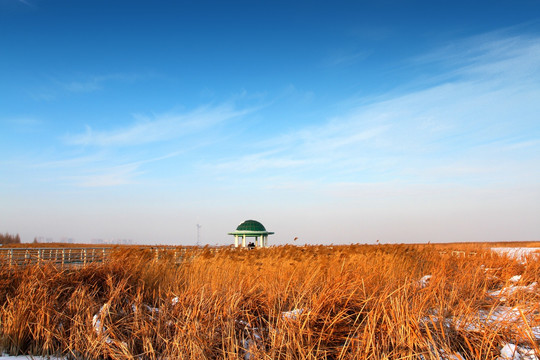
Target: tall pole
{"x": 198, "y": 234}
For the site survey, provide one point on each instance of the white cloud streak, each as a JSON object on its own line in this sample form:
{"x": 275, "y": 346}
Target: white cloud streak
{"x": 158, "y": 128}
{"x": 25, "y": 3}
{"x": 95, "y": 82}
{"x": 347, "y": 58}
{"x": 462, "y": 129}
{"x": 118, "y": 175}
{"x": 91, "y": 174}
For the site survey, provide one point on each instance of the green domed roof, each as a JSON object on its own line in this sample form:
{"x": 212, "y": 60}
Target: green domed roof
{"x": 251, "y": 229}
{"x": 250, "y": 225}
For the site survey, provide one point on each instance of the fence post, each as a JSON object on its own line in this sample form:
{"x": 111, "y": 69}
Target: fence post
{"x": 84, "y": 259}
{"x": 63, "y": 257}
{"x": 10, "y": 257}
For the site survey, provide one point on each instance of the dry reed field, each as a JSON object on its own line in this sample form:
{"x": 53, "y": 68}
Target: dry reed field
{"x": 340, "y": 302}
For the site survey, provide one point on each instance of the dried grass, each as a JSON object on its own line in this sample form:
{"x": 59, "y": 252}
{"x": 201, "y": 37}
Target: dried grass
{"x": 351, "y": 302}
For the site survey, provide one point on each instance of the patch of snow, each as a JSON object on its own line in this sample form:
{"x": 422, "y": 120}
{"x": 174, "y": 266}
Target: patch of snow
{"x": 248, "y": 343}
{"x": 251, "y": 342}
{"x": 501, "y": 314}
{"x": 499, "y": 317}
{"x": 486, "y": 269}
{"x": 509, "y": 290}
{"x": 519, "y": 254}
{"x": 96, "y": 322}
{"x": 514, "y": 352}
{"x": 424, "y": 281}
{"x": 293, "y": 314}
{"x": 152, "y": 310}
{"x": 536, "y": 332}
{"x": 175, "y": 301}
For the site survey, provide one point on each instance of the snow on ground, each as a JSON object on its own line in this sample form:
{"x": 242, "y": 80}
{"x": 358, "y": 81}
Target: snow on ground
{"x": 424, "y": 281}
{"x": 517, "y": 253}
{"x": 536, "y": 332}
{"x": 515, "y": 318}
{"x": 501, "y": 317}
{"x": 513, "y": 352}
{"x": 293, "y": 314}
{"x": 509, "y": 290}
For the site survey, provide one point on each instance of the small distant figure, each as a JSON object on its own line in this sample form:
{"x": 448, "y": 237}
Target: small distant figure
{"x": 251, "y": 246}
{"x": 296, "y": 238}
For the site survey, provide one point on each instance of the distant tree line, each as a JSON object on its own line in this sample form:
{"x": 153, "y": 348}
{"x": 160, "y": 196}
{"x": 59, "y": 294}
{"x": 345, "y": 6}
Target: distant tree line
{"x": 10, "y": 239}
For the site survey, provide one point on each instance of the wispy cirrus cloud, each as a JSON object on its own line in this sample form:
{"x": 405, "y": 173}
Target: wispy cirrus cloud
{"x": 103, "y": 162}
{"x": 456, "y": 129}
{"x": 319, "y": 150}
{"x": 23, "y": 123}
{"x": 346, "y": 58}
{"x": 25, "y": 2}
{"x": 99, "y": 170}
{"x": 95, "y": 82}
{"x": 112, "y": 176}
{"x": 58, "y": 86}
{"x": 270, "y": 160}
{"x": 156, "y": 128}
{"x": 75, "y": 162}
{"x": 498, "y": 55}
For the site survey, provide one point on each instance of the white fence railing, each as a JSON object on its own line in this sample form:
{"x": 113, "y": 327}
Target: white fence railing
{"x": 84, "y": 255}
{"x": 60, "y": 256}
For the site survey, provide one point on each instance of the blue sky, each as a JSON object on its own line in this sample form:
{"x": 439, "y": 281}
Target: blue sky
{"x": 338, "y": 122}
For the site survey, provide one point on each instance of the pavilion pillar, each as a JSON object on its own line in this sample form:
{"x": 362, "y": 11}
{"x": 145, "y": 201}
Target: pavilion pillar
{"x": 235, "y": 241}
{"x": 244, "y": 240}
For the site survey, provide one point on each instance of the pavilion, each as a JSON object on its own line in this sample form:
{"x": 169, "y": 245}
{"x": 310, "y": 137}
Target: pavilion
{"x": 251, "y": 228}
